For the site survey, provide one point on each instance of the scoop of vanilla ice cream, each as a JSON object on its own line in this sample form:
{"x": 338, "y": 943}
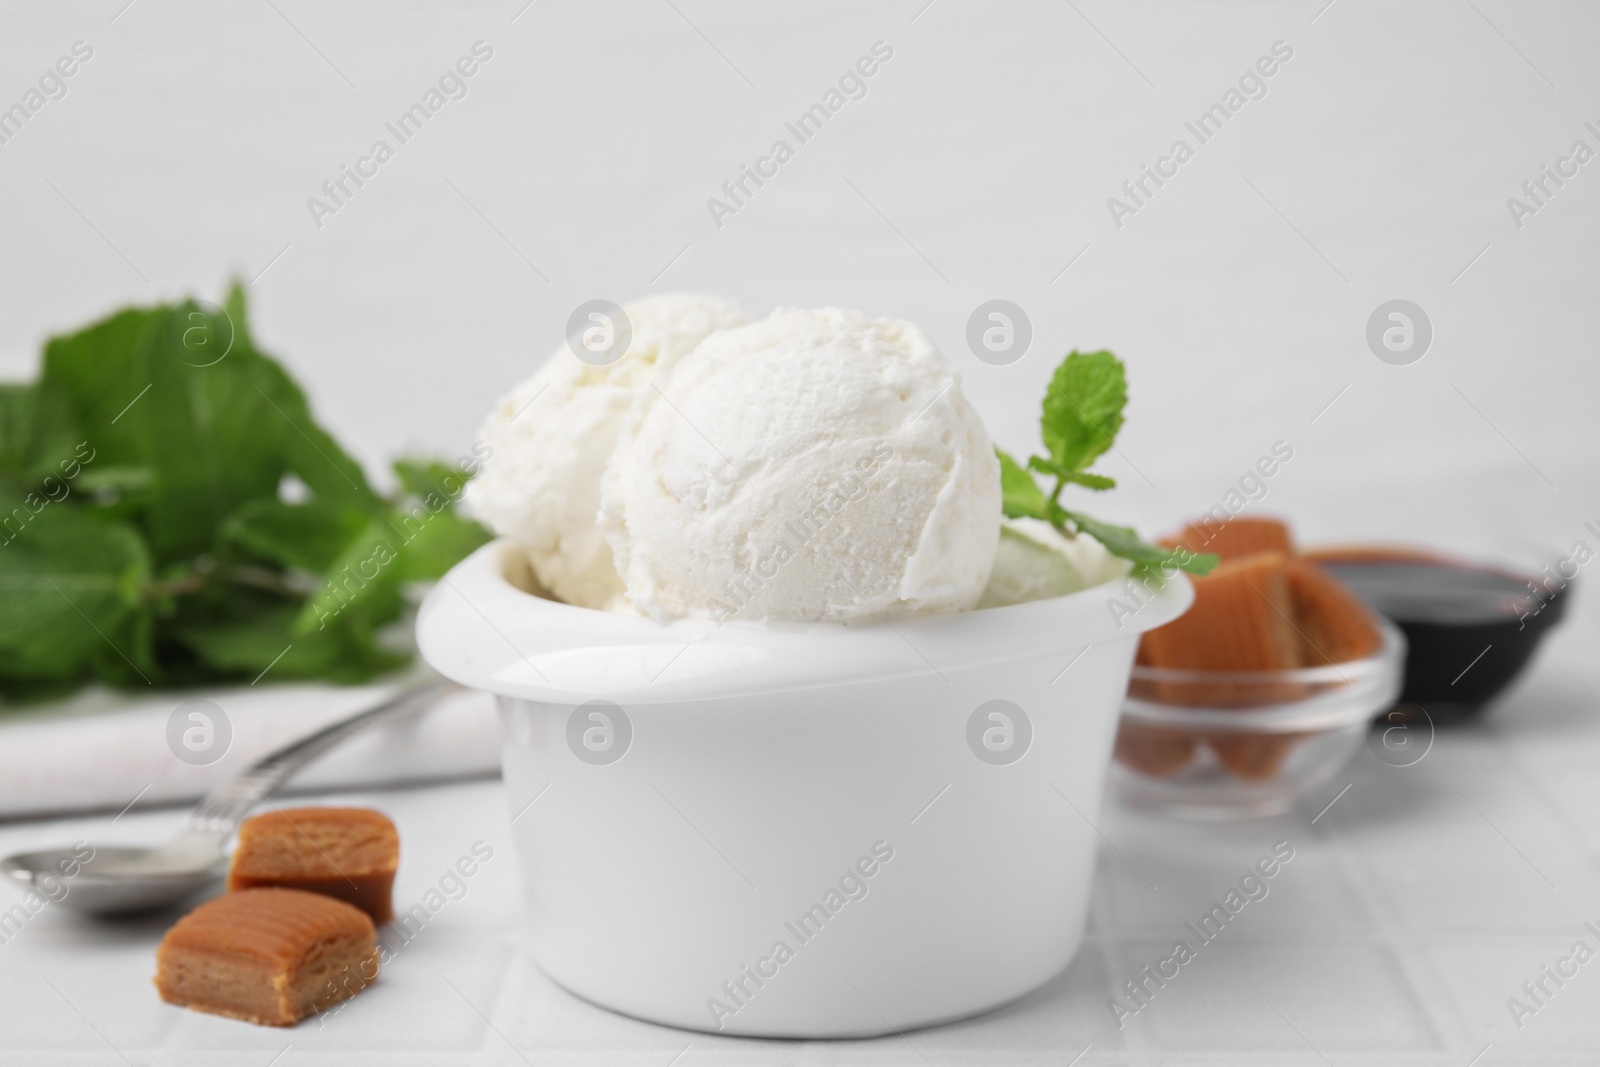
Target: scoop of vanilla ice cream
{"x": 814, "y": 465}
{"x": 1035, "y": 562}
{"x": 551, "y": 438}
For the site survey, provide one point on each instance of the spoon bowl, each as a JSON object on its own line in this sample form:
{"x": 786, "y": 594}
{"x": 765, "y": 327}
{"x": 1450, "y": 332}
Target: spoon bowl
{"x": 116, "y": 880}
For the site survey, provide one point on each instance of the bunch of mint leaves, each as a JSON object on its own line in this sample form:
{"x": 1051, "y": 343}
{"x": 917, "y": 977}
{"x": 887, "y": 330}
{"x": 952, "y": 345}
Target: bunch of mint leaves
{"x": 1082, "y": 415}
{"x": 171, "y": 514}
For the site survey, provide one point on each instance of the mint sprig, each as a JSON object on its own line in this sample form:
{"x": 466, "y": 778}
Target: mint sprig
{"x": 1082, "y": 413}
{"x": 172, "y": 514}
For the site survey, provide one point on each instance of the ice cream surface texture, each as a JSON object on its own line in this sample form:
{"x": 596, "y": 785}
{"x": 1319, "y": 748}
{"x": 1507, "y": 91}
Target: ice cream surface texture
{"x": 551, "y": 438}
{"x": 1034, "y": 562}
{"x": 815, "y": 465}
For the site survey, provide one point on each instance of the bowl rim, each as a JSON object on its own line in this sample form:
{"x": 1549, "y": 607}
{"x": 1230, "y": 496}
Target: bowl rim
{"x": 478, "y": 628}
{"x": 1527, "y": 562}
{"x": 1345, "y": 693}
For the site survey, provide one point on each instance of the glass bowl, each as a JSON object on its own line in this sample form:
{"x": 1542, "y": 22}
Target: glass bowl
{"x": 1219, "y": 745}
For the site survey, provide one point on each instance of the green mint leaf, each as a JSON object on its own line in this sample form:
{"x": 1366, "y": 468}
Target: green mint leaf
{"x": 362, "y": 583}
{"x": 260, "y": 637}
{"x": 69, "y": 598}
{"x": 114, "y": 483}
{"x": 1083, "y": 408}
{"x": 308, "y": 450}
{"x": 1097, "y": 482}
{"x": 1083, "y": 478}
{"x": 309, "y": 536}
{"x": 433, "y": 536}
{"x": 420, "y": 477}
{"x": 150, "y": 409}
{"x": 18, "y": 404}
{"x": 1124, "y": 541}
{"x": 428, "y": 551}
{"x": 1047, "y": 466}
{"x": 38, "y": 434}
{"x": 1020, "y": 495}
{"x": 140, "y": 482}
{"x": 186, "y": 395}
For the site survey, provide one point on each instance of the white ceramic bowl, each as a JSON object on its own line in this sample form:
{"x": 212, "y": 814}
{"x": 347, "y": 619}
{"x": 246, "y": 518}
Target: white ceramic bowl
{"x": 688, "y": 799}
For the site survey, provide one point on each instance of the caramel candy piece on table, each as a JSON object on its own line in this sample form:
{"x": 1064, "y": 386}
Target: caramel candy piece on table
{"x": 1236, "y": 538}
{"x": 267, "y": 956}
{"x": 348, "y": 853}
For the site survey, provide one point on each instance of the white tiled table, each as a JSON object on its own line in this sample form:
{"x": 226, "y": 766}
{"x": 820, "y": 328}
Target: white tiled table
{"x": 1414, "y": 907}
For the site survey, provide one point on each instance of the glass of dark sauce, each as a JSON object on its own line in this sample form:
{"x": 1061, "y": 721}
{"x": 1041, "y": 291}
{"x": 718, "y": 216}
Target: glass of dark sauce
{"x": 1470, "y": 627}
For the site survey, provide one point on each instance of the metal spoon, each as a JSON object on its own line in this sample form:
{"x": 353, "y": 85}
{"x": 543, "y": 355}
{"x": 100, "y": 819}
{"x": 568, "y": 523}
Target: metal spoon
{"x": 118, "y": 880}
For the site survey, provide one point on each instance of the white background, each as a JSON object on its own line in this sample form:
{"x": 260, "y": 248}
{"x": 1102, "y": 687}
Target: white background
{"x": 1377, "y": 167}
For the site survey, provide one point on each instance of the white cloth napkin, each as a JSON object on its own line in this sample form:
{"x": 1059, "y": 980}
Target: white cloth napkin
{"x": 104, "y": 750}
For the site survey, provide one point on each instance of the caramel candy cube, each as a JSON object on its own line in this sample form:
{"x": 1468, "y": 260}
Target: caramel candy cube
{"x": 267, "y": 956}
{"x": 1335, "y": 626}
{"x": 1235, "y": 538}
{"x": 348, "y": 853}
{"x": 1240, "y": 621}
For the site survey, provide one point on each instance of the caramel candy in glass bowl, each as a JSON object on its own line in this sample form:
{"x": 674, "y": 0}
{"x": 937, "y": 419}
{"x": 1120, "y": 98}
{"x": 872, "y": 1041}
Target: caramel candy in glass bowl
{"x": 1261, "y": 690}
